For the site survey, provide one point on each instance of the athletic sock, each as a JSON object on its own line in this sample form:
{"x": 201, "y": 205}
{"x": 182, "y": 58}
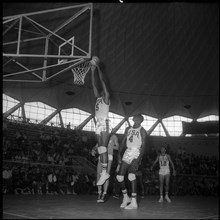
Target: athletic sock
{"x": 125, "y": 194}
{"x": 134, "y": 197}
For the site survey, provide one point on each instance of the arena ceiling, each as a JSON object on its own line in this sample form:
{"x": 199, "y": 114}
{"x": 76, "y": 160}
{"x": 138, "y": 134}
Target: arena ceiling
{"x": 160, "y": 59}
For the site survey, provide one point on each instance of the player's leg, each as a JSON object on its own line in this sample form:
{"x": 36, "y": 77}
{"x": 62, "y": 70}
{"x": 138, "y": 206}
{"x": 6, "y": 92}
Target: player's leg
{"x": 106, "y": 184}
{"x": 133, "y": 181}
{"x": 161, "y": 180}
{"x": 99, "y": 170}
{"x": 167, "y": 182}
{"x": 103, "y": 139}
{"x": 120, "y": 178}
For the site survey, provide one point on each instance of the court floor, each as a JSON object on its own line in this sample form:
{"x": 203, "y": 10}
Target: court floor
{"x": 85, "y": 207}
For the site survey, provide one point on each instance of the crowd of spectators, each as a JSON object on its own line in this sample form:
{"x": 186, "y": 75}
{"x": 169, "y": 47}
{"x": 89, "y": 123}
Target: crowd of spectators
{"x": 48, "y": 144}
{"x": 31, "y": 179}
{"x": 40, "y": 160}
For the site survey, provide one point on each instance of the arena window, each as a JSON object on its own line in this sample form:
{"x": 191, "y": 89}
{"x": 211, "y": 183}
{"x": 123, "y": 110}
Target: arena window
{"x": 158, "y": 131}
{"x": 37, "y": 111}
{"x": 174, "y": 124}
{"x": 209, "y": 118}
{"x": 8, "y": 102}
{"x": 75, "y": 117}
{"x": 55, "y": 121}
{"x": 115, "y": 119}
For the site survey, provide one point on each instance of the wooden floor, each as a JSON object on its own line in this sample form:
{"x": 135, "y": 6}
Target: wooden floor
{"x": 85, "y": 206}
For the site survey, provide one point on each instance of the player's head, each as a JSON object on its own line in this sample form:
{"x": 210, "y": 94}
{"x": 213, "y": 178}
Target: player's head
{"x": 138, "y": 118}
{"x": 163, "y": 150}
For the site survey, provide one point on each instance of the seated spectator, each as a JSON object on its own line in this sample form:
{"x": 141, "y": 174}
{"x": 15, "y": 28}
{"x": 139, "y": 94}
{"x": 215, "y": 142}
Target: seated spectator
{"x": 7, "y": 179}
{"x": 52, "y": 183}
{"x": 74, "y": 183}
{"x": 50, "y": 158}
{"x": 26, "y": 189}
{"x": 62, "y": 182}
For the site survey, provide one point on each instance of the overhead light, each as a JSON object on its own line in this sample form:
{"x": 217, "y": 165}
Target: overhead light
{"x": 70, "y": 93}
{"x": 128, "y": 103}
{"x": 187, "y": 106}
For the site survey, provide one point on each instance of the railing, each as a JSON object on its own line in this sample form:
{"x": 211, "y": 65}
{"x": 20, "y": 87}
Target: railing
{"x": 78, "y": 163}
{"x": 76, "y": 166}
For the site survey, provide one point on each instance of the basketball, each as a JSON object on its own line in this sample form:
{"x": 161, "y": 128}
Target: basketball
{"x": 95, "y": 60}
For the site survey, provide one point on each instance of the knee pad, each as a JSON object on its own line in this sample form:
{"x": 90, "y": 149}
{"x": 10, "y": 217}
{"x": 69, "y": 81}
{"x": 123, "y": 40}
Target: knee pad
{"x": 131, "y": 176}
{"x": 120, "y": 178}
{"x": 102, "y": 149}
{"x": 110, "y": 157}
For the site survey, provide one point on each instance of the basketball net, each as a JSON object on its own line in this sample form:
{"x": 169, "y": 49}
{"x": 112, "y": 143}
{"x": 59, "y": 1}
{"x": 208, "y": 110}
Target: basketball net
{"x": 80, "y": 71}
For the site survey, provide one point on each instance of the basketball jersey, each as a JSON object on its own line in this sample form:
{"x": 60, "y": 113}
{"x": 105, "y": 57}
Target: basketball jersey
{"x": 101, "y": 109}
{"x": 164, "y": 162}
{"x": 134, "y": 139}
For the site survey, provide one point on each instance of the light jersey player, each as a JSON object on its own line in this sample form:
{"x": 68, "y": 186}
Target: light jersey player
{"x": 164, "y": 172}
{"x": 135, "y": 138}
{"x": 103, "y": 189}
{"x": 102, "y": 121}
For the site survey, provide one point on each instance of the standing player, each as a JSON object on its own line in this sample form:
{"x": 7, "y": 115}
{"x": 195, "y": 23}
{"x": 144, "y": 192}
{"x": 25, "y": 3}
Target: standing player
{"x": 164, "y": 172}
{"x": 103, "y": 189}
{"x": 135, "y": 138}
{"x": 102, "y": 122}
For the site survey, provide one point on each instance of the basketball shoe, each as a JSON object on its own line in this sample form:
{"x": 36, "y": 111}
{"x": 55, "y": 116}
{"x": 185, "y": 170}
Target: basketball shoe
{"x": 168, "y": 199}
{"x": 99, "y": 197}
{"x": 125, "y": 202}
{"x": 160, "y": 200}
{"x": 103, "y": 197}
{"x": 132, "y": 205}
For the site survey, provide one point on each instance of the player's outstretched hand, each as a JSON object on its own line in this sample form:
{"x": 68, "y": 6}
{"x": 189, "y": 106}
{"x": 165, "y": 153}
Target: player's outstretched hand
{"x": 93, "y": 67}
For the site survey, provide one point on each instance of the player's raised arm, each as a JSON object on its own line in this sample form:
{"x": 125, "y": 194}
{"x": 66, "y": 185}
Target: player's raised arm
{"x": 104, "y": 87}
{"x": 94, "y": 85}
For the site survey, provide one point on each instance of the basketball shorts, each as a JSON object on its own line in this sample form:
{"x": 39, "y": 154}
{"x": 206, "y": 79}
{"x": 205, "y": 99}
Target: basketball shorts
{"x": 130, "y": 154}
{"x": 102, "y": 125}
{"x": 164, "y": 172}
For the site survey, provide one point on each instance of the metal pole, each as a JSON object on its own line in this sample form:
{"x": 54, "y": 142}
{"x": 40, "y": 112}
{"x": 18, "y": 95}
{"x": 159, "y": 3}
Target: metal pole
{"x": 19, "y": 36}
{"x": 45, "y": 59}
{"x": 90, "y": 30}
{"x": 45, "y": 11}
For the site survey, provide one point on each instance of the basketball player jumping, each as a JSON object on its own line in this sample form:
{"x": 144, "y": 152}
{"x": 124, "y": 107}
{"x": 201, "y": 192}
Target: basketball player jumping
{"x": 164, "y": 173}
{"x": 103, "y": 189}
{"x": 102, "y": 122}
{"x": 135, "y": 138}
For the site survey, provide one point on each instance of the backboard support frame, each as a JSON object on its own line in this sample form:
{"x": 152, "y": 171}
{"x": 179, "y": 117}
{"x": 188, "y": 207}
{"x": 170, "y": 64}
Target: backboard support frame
{"x": 71, "y": 60}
